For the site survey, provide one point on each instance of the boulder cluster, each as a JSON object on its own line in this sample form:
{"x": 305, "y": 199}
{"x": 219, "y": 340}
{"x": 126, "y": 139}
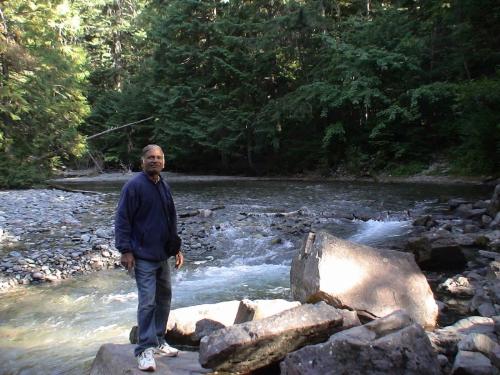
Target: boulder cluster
{"x": 356, "y": 309}
{"x": 452, "y": 237}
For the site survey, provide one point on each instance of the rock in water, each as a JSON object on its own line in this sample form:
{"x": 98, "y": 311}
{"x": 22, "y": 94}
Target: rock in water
{"x": 390, "y": 345}
{"x": 248, "y": 346}
{"x": 345, "y": 274}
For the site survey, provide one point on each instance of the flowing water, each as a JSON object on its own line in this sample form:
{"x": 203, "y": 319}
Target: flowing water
{"x": 57, "y": 329}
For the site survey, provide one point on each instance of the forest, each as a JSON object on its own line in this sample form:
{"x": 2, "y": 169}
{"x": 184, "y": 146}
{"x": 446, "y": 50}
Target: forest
{"x": 252, "y": 87}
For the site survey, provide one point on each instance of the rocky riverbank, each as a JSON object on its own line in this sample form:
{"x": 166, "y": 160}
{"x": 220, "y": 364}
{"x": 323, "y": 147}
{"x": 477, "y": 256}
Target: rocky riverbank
{"x": 43, "y": 237}
{"x": 94, "y": 176}
{"x": 50, "y": 235}
{"x": 372, "y": 284}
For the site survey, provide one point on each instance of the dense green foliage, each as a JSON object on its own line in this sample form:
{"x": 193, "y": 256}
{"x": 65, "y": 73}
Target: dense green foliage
{"x": 41, "y": 97}
{"x": 254, "y": 86}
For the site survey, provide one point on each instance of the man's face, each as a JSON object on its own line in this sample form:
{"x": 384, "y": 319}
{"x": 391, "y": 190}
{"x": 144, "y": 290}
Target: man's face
{"x": 153, "y": 162}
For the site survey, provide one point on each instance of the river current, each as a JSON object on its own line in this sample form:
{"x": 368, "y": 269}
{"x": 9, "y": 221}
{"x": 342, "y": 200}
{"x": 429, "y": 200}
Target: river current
{"x": 58, "y": 329}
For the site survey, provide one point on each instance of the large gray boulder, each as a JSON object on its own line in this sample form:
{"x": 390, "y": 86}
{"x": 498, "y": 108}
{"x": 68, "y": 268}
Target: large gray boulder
{"x": 389, "y": 345}
{"x": 248, "y": 346}
{"x": 119, "y": 359}
{"x": 362, "y": 278}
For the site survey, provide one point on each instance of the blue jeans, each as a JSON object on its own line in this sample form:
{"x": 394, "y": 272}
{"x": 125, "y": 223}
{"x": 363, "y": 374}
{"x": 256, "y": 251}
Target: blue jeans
{"x": 155, "y": 293}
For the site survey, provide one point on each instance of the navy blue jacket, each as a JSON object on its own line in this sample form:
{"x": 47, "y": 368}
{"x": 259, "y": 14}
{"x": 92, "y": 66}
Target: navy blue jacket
{"x": 146, "y": 221}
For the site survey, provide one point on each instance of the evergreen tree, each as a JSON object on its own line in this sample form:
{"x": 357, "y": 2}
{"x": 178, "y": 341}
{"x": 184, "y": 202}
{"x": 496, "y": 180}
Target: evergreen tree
{"x": 41, "y": 97}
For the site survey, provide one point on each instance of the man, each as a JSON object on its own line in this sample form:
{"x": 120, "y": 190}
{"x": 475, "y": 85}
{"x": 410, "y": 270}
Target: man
{"x": 146, "y": 236}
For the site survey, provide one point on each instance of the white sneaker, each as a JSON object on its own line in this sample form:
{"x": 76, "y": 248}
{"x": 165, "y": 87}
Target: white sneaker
{"x": 166, "y": 350}
{"x": 146, "y": 360}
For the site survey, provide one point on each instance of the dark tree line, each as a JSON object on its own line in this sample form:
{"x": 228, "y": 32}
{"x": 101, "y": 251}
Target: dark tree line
{"x": 281, "y": 87}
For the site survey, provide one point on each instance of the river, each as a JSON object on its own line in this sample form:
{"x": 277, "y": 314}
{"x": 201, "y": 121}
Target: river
{"x": 57, "y": 329}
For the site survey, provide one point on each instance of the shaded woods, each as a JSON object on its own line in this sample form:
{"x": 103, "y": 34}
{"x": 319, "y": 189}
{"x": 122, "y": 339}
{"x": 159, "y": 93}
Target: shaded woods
{"x": 254, "y": 87}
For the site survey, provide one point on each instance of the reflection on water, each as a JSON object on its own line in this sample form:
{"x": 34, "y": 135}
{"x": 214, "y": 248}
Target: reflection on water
{"x": 57, "y": 329}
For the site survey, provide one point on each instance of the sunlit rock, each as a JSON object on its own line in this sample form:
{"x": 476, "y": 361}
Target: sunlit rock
{"x": 362, "y": 278}
{"x": 389, "y": 345}
{"x": 249, "y": 346}
{"x": 182, "y": 322}
{"x": 119, "y": 359}
{"x": 445, "y": 340}
{"x": 188, "y": 325}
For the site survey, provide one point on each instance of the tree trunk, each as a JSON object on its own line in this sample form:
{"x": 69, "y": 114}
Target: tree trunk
{"x": 5, "y": 33}
{"x": 116, "y": 47}
{"x": 249, "y": 150}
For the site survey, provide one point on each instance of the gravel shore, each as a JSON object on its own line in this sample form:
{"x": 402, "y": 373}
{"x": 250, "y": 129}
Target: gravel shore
{"x": 43, "y": 238}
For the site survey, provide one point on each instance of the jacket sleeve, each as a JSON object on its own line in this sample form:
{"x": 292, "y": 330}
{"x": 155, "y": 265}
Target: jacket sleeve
{"x": 174, "y": 242}
{"x": 127, "y": 206}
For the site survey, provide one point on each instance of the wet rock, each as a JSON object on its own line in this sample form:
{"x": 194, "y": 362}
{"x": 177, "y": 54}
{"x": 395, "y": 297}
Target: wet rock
{"x": 486, "y": 220}
{"x": 51, "y": 278}
{"x": 38, "y": 276}
{"x": 389, "y": 345}
{"x": 468, "y": 212}
{"x": 454, "y": 203}
{"x": 276, "y": 241}
{"x": 205, "y": 213}
{"x": 495, "y": 224}
{"x": 481, "y": 204}
{"x": 362, "y": 278}
{"x": 425, "y": 221}
{"x": 248, "y": 346}
{"x": 458, "y": 285}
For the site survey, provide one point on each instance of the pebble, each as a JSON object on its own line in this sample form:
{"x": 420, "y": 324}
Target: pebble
{"x": 37, "y": 276}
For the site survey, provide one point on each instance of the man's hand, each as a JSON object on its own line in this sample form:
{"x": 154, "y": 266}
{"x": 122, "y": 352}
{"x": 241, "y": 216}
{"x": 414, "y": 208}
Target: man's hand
{"x": 128, "y": 261}
{"x": 179, "y": 260}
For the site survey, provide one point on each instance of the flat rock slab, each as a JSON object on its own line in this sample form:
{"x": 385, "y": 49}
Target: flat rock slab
{"x": 249, "y": 346}
{"x": 362, "y": 278}
{"x": 114, "y": 359}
